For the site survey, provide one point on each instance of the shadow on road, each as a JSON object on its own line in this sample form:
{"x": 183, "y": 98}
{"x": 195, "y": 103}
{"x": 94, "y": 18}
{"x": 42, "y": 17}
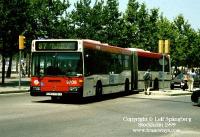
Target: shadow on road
{"x": 87, "y": 100}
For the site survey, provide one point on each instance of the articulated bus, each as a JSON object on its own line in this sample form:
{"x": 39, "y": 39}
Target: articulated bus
{"x": 62, "y": 67}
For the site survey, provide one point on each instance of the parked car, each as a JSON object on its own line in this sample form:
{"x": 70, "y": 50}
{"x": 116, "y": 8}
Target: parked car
{"x": 179, "y": 81}
{"x": 197, "y": 81}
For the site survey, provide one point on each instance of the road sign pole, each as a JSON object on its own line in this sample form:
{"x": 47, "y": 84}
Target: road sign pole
{"x": 20, "y": 68}
{"x": 21, "y": 47}
{"x": 163, "y": 73}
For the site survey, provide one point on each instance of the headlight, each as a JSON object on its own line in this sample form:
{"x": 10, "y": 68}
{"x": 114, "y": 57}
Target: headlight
{"x": 182, "y": 84}
{"x": 36, "y": 82}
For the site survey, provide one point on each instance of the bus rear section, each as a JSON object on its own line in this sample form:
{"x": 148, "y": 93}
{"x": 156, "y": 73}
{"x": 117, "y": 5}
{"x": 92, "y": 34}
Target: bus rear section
{"x": 150, "y": 60}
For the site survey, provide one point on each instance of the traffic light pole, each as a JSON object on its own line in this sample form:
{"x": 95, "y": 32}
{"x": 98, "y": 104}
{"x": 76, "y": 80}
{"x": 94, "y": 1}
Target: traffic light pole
{"x": 21, "y": 47}
{"x": 20, "y": 68}
{"x": 163, "y": 72}
{"x": 163, "y": 48}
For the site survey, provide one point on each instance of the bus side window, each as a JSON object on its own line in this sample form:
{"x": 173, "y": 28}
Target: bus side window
{"x": 88, "y": 64}
{"x": 112, "y": 64}
{"x": 126, "y": 63}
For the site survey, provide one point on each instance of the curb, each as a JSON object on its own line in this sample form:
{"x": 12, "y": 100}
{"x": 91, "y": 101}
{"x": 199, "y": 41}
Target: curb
{"x": 14, "y": 90}
{"x": 172, "y": 94}
{"x": 177, "y": 94}
{"x": 169, "y": 93}
{"x": 11, "y": 92}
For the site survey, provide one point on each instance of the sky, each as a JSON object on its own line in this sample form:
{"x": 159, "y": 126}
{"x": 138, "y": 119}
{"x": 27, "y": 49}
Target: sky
{"x": 190, "y": 9}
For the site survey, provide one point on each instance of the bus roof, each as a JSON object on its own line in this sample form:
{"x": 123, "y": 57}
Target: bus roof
{"x": 97, "y": 45}
{"x": 144, "y": 53}
{"x": 92, "y": 44}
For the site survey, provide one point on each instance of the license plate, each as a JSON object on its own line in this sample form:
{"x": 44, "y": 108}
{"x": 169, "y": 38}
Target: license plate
{"x": 53, "y": 94}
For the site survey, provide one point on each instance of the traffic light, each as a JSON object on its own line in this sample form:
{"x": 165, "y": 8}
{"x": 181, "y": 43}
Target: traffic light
{"x": 160, "y": 46}
{"x": 21, "y": 42}
{"x": 163, "y": 46}
{"x": 167, "y": 44}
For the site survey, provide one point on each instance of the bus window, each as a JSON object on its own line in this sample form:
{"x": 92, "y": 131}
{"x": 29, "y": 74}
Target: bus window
{"x": 151, "y": 63}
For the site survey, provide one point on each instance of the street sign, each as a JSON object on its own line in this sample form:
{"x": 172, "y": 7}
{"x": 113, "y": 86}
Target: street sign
{"x": 161, "y": 61}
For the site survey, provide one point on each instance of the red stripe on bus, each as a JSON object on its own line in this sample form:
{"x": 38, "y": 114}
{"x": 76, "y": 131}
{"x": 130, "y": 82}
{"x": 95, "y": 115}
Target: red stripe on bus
{"x": 149, "y": 54}
{"x": 105, "y": 48}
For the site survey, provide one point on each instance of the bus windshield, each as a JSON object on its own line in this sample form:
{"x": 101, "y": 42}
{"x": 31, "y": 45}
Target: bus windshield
{"x": 57, "y": 63}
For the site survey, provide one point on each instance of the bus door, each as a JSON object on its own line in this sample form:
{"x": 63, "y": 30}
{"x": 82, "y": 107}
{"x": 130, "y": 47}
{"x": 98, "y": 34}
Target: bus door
{"x": 89, "y": 86}
{"x": 135, "y": 71}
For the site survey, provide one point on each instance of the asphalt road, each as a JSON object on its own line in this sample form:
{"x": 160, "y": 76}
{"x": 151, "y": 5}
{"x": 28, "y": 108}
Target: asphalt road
{"x": 121, "y": 116}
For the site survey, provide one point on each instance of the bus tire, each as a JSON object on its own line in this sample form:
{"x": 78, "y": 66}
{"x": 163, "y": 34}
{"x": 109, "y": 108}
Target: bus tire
{"x": 126, "y": 87}
{"x": 195, "y": 96}
{"x": 99, "y": 89}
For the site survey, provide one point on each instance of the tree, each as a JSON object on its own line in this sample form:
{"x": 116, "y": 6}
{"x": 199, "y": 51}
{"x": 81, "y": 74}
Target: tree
{"x": 131, "y": 23}
{"x": 196, "y": 49}
{"x": 143, "y": 28}
{"x": 152, "y": 37}
{"x": 81, "y": 18}
{"x": 111, "y": 22}
{"x": 45, "y": 18}
{"x": 183, "y": 42}
{"x": 13, "y": 23}
{"x": 97, "y": 21}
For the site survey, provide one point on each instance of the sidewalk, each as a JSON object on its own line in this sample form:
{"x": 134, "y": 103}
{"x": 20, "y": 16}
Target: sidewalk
{"x": 168, "y": 92}
{"x": 12, "y": 85}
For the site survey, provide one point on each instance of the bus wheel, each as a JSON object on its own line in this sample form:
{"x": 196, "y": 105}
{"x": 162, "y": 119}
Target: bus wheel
{"x": 195, "y": 96}
{"x": 98, "y": 89}
{"x": 127, "y": 86}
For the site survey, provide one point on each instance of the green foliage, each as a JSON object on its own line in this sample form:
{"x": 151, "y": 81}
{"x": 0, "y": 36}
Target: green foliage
{"x": 186, "y": 43}
{"x": 111, "y": 22}
{"x": 141, "y": 26}
{"x": 131, "y": 23}
{"x": 13, "y": 23}
{"x": 45, "y": 18}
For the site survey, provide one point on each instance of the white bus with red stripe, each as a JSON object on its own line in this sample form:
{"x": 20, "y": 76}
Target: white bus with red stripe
{"x": 62, "y": 67}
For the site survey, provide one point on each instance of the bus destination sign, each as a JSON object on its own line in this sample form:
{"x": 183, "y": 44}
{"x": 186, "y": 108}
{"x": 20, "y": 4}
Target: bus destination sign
{"x": 56, "y": 45}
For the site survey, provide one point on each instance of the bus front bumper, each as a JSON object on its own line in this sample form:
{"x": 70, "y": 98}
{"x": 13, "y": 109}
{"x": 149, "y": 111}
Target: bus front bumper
{"x": 36, "y": 92}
